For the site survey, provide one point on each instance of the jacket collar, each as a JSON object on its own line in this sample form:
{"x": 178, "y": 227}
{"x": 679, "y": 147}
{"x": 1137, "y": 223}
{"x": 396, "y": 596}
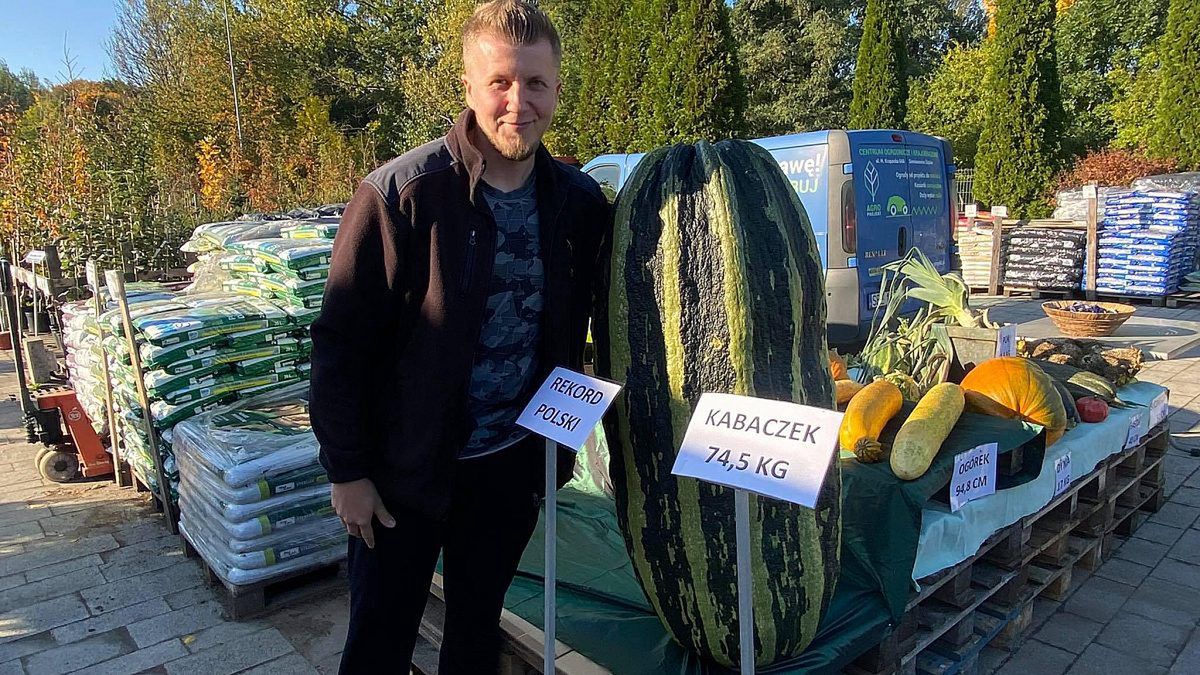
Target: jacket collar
{"x": 458, "y": 140}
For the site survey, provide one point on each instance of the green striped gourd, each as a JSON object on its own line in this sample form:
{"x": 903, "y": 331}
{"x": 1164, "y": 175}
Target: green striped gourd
{"x": 714, "y": 284}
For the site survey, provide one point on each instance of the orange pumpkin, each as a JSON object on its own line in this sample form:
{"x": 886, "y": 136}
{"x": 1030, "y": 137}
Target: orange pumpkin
{"x": 1015, "y": 388}
{"x": 837, "y": 366}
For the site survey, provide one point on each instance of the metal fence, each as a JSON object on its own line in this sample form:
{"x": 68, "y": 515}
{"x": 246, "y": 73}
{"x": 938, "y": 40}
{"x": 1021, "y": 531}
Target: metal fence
{"x": 964, "y": 189}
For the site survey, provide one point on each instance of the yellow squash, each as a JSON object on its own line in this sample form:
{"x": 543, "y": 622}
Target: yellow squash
{"x": 866, "y": 416}
{"x": 846, "y": 390}
{"x": 922, "y": 434}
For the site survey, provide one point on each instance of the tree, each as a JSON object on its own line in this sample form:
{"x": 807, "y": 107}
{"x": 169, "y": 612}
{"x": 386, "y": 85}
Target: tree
{"x": 881, "y": 72}
{"x": 1019, "y": 149}
{"x": 694, "y": 89}
{"x": 947, "y": 103}
{"x": 1177, "y": 116}
{"x": 792, "y": 59}
{"x": 1135, "y": 91}
{"x": 16, "y": 90}
{"x": 1096, "y": 40}
{"x": 593, "y": 102}
{"x": 651, "y": 81}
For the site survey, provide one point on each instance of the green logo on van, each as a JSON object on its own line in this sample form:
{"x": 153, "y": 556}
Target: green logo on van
{"x": 896, "y": 206}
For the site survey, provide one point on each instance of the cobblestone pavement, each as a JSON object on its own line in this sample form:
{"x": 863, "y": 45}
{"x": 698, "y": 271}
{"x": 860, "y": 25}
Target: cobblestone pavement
{"x": 92, "y": 581}
{"x": 1139, "y": 612}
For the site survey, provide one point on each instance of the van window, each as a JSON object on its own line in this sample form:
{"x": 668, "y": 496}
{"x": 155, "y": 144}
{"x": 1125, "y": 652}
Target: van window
{"x": 609, "y": 177}
{"x": 849, "y": 219}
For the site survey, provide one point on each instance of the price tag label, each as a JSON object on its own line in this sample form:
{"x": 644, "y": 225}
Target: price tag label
{"x": 568, "y": 406}
{"x": 1062, "y": 474}
{"x": 35, "y": 257}
{"x": 773, "y": 448}
{"x": 972, "y": 210}
{"x": 1159, "y": 409}
{"x": 1089, "y": 191}
{"x": 1000, "y": 211}
{"x": 1006, "y": 340}
{"x": 1135, "y": 431}
{"x": 974, "y": 475}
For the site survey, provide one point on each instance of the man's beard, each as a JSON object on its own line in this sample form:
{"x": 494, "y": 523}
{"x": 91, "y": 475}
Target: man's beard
{"x": 512, "y": 148}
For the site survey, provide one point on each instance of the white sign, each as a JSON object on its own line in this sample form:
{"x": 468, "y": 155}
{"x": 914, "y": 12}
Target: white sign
{"x": 974, "y": 475}
{"x": 35, "y": 257}
{"x": 1006, "y": 340}
{"x": 1089, "y": 191}
{"x": 1135, "y": 431}
{"x": 774, "y": 448}
{"x": 568, "y": 406}
{"x": 972, "y": 210}
{"x": 1062, "y": 474}
{"x": 1000, "y": 211}
{"x": 93, "y": 276}
{"x": 1158, "y": 409}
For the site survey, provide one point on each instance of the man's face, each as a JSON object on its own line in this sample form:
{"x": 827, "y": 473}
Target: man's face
{"x": 513, "y": 90}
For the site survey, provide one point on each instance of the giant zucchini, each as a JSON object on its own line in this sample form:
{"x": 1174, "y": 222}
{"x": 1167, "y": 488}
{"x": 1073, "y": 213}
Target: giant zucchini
{"x": 715, "y": 285}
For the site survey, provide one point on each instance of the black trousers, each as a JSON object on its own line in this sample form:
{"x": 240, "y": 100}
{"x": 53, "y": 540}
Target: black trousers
{"x": 494, "y": 510}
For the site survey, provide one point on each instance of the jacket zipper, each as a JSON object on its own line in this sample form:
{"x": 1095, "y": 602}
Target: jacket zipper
{"x": 468, "y": 270}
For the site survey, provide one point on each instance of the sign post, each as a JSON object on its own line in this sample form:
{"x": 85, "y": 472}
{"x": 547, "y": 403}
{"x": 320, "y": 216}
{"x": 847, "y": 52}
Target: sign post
{"x": 564, "y": 410}
{"x": 772, "y": 448}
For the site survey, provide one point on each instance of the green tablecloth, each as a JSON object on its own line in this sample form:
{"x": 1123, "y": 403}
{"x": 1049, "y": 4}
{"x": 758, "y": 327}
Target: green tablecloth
{"x": 603, "y": 613}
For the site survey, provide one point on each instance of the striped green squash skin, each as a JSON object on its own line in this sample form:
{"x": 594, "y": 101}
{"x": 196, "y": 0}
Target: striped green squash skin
{"x": 714, "y": 284}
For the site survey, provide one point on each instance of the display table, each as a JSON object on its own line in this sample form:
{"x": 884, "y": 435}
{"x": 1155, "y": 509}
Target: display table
{"x": 892, "y": 531}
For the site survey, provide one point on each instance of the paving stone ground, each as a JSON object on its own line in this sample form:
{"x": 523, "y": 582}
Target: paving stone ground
{"x": 91, "y": 581}
{"x": 1139, "y": 612}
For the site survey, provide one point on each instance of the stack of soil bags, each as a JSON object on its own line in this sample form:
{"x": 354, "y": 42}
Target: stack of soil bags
{"x": 1147, "y": 241}
{"x": 253, "y": 499}
{"x": 1045, "y": 258}
{"x": 975, "y": 253}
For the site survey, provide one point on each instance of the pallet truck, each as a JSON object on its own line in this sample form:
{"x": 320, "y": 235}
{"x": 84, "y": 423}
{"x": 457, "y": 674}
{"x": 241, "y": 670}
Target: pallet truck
{"x": 67, "y": 455}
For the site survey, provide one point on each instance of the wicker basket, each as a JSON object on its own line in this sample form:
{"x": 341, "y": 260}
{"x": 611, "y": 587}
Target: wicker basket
{"x": 1086, "y": 324}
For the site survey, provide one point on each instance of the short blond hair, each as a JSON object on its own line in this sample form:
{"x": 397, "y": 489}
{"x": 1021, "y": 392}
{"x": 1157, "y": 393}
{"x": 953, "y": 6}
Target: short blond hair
{"x": 521, "y": 22}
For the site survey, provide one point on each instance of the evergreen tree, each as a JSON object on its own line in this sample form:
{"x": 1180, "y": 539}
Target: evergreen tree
{"x": 881, "y": 73}
{"x": 694, "y": 89}
{"x": 1177, "y": 117}
{"x": 792, "y": 57}
{"x": 1019, "y": 148}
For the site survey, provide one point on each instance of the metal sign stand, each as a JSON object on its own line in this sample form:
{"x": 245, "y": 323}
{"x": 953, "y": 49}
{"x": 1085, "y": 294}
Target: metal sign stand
{"x": 114, "y": 438}
{"x": 551, "y": 571}
{"x": 741, "y": 506}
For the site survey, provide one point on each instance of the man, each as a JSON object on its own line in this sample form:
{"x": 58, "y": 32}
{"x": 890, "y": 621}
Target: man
{"x": 461, "y": 275}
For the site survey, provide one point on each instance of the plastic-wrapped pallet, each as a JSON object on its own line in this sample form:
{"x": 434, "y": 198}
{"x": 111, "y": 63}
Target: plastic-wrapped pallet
{"x": 254, "y": 500}
{"x": 975, "y": 253}
{"x": 1045, "y": 258}
{"x": 1147, "y": 241}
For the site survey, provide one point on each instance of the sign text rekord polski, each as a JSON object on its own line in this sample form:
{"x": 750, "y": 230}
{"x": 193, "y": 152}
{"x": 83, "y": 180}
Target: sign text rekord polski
{"x": 774, "y": 448}
{"x": 568, "y": 406}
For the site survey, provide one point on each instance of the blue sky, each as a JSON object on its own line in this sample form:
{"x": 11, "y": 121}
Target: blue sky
{"x": 32, "y": 35}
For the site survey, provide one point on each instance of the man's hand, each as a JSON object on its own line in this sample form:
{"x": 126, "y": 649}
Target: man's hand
{"x": 356, "y": 503}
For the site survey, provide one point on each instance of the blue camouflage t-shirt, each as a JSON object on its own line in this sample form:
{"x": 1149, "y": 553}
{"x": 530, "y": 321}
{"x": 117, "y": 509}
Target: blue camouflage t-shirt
{"x": 506, "y": 356}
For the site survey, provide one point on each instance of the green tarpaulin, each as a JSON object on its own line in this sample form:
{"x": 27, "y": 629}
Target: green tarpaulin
{"x": 603, "y": 614}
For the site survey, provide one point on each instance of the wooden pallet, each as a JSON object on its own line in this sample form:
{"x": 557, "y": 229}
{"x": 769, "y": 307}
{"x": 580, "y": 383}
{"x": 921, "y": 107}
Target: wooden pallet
{"x": 1182, "y": 298}
{"x": 1040, "y": 293}
{"x": 1151, "y": 300}
{"x": 988, "y": 599}
{"x": 246, "y": 602}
